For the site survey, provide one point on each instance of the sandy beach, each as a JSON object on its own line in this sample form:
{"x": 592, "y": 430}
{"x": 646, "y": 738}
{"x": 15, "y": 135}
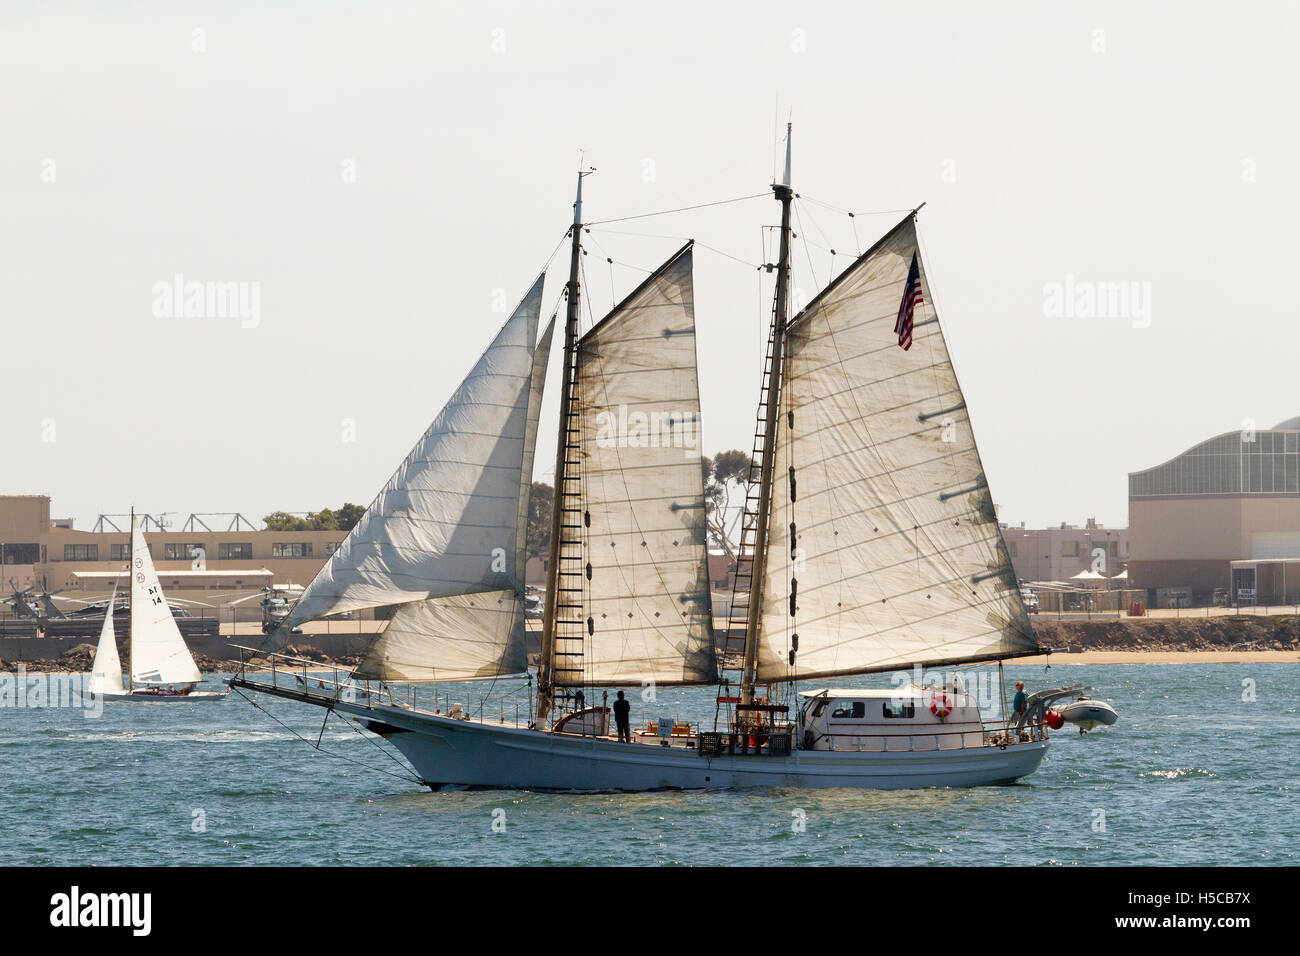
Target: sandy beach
{"x": 1164, "y": 657}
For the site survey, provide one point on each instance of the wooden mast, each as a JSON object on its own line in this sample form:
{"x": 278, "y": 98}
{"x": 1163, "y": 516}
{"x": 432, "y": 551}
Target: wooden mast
{"x": 545, "y": 668}
{"x": 784, "y": 195}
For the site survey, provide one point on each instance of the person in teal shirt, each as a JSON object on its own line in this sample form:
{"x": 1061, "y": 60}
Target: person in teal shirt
{"x": 1020, "y": 701}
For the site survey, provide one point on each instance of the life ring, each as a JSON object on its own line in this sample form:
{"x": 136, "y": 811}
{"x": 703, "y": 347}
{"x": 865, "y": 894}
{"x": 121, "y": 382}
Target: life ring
{"x": 941, "y": 706}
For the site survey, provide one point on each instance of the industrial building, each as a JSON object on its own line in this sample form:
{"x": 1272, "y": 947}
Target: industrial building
{"x": 36, "y": 549}
{"x": 1058, "y": 554}
{"x": 1222, "y": 516}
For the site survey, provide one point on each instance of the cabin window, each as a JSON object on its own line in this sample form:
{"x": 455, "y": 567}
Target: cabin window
{"x": 899, "y": 710}
{"x": 849, "y": 709}
{"x": 820, "y": 708}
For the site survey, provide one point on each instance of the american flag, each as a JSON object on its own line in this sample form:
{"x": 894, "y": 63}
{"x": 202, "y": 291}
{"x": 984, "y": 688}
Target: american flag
{"x": 911, "y": 299}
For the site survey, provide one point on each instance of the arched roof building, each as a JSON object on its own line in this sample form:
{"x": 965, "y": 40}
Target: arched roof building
{"x": 1222, "y": 513}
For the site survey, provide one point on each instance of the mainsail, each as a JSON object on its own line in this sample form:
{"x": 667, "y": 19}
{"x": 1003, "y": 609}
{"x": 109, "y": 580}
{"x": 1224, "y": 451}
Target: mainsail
{"x": 637, "y": 411}
{"x": 442, "y": 539}
{"x": 884, "y": 548}
{"x": 468, "y": 636}
{"x": 158, "y": 652}
{"x": 106, "y": 671}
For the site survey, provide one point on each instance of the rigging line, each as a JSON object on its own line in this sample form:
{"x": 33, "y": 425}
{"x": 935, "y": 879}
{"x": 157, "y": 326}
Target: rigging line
{"x": 558, "y": 245}
{"x": 369, "y": 739}
{"x": 829, "y": 247}
{"x": 849, "y": 212}
{"x": 329, "y": 753}
{"x": 613, "y": 299}
{"x": 667, "y": 212}
{"x": 702, "y": 245}
{"x": 807, "y": 255}
{"x": 816, "y": 224}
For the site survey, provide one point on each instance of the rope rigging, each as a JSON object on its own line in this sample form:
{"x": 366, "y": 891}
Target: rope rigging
{"x": 407, "y": 774}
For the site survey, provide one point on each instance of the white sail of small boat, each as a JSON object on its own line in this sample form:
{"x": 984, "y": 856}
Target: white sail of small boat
{"x": 106, "y": 670}
{"x": 869, "y": 543}
{"x": 161, "y": 665}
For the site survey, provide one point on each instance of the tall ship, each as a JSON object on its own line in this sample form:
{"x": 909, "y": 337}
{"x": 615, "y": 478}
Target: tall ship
{"x": 869, "y": 544}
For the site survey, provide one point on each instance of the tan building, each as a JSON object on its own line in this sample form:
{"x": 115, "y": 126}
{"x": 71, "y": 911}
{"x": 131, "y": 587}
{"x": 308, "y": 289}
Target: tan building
{"x": 35, "y": 548}
{"x": 1058, "y": 554}
{"x": 1232, "y": 498}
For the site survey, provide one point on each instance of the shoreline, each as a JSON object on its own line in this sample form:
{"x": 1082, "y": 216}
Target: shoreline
{"x": 1056, "y": 659}
{"x": 1161, "y": 657}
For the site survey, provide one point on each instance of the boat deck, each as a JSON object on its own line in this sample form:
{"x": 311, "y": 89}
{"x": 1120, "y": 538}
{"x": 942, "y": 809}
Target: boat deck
{"x": 307, "y": 682}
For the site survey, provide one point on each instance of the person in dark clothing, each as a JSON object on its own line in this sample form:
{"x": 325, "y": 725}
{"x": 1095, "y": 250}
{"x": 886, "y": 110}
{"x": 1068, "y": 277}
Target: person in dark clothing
{"x": 1020, "y": 701}
{"x": 623, "y": 718}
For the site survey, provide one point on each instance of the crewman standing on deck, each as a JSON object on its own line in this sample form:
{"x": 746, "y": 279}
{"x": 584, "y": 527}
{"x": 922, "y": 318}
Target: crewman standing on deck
{"x": 623, "y": 718}
{"x": 1019, "y": 702}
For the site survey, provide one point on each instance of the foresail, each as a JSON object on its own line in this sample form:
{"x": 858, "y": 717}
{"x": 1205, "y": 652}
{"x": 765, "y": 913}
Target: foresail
{"x": 642, "y": 491}
{"x": 445, "y": 523}
{"x": 884, "y": 548}
{"x": 106, "y": 670}
{"x": 158, "y": 652}
{"x": 468, "y": 636}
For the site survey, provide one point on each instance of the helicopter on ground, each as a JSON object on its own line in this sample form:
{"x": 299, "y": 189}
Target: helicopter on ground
{"x": 34, "y": 607}
{"x": 275, "y": 606}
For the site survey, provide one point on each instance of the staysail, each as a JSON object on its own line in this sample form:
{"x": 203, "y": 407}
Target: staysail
{"x": 884, "y": 548}
{"x": 106, "y": 670}
{"x": 158, "y": 652}
{"x": 441, "y": 540}
{"x": 468, "y": 636}
{"x": 646, "y": 598}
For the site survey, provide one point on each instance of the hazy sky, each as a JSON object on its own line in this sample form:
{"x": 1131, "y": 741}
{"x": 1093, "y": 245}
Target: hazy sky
{"x": 386, "y": 176}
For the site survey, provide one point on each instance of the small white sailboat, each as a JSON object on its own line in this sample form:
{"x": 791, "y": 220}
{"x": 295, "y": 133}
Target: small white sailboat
{"x": 870, "y": 544}
{"x": 161, "y": 666}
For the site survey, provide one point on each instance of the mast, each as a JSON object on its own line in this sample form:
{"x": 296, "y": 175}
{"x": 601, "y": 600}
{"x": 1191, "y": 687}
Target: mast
{"x": 545, "y": 667}
{"x": 784, "y": 194}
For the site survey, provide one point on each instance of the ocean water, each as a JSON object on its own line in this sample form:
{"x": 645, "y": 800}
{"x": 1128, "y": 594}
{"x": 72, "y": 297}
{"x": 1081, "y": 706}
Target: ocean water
{"x": 1194, "y": 772}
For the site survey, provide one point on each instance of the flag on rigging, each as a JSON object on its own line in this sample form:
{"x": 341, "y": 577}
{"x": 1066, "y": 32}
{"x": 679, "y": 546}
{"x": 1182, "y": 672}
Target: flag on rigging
{"x": 911, "y": 299}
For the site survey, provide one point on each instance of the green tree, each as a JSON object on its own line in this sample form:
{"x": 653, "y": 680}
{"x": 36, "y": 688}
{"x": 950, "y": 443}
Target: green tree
{"x": 283, "y": 521}
{"x": 725, "y": 473}
{"x": 322, "y": 520}
{"x": 540, "y": 502}
{"x": 349, "y": 515}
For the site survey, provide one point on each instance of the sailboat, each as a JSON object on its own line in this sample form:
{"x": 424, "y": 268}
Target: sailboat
{"x": 161, "y": 666}
{"x": 869, "y": 545}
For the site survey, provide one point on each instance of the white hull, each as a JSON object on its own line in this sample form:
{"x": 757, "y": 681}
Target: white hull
{"x": 460, "y": 753}
{"x": 1087, "y": 714}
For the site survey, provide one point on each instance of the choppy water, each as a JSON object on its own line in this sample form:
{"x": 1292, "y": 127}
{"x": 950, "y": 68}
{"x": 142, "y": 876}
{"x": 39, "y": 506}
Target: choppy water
{"x": 1191, "y": 774}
